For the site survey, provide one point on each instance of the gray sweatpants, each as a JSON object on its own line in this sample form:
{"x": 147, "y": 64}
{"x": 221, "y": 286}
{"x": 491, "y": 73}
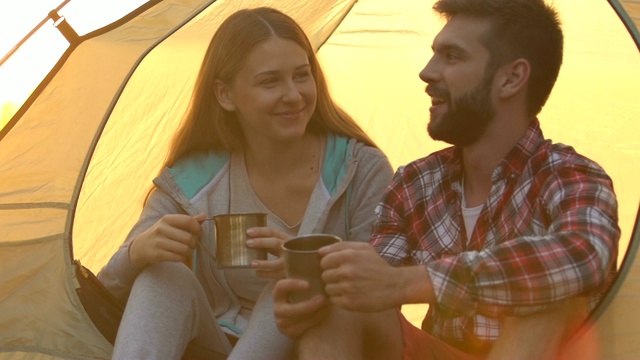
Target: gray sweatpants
{"x": 167, "y": 309}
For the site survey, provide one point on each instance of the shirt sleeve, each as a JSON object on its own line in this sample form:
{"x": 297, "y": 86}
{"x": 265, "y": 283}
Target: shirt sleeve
{"x": 389, "y": 237}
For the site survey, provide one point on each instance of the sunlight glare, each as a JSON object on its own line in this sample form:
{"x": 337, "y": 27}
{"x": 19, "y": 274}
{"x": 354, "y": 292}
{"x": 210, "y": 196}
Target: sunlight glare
{"x": 26, "y": 68}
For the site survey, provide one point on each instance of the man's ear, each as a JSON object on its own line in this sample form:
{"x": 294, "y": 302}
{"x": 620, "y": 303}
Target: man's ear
{"x": 223, "y": 94}
{"x": 513, "y": 78}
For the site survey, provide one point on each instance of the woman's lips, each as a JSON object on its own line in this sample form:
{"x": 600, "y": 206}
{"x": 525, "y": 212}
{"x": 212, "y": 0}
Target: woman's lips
{"x": 290, "y": 115}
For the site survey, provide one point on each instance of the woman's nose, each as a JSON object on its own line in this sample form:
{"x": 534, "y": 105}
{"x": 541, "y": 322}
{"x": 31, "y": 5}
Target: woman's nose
{"x": 291, "y": 92}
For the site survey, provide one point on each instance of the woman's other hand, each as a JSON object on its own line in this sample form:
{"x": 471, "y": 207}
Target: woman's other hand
{"x": 293, "y": 319}
{"x": 270, "y": 240}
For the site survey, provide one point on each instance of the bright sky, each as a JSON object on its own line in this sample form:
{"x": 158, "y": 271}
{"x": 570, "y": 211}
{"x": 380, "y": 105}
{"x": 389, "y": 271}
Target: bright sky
{"x": 26, "y": 68}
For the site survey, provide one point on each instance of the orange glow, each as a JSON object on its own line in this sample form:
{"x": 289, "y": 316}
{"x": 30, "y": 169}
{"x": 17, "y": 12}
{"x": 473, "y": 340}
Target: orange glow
{"x": 31, "y": 62}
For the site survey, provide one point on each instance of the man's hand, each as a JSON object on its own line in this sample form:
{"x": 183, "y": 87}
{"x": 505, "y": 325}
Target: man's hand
{"x": 294, "y": 319}
{"x": 358, "y": 279}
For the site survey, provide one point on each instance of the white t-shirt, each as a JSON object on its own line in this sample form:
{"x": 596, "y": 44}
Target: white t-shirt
{"x": 469, "y": 214}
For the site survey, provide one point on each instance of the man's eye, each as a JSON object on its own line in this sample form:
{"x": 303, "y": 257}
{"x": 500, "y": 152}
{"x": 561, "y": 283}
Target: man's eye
{"x": 452, "y": 57}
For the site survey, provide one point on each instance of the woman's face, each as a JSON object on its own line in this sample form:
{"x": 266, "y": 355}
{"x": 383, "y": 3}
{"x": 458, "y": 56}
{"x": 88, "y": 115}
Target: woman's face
{"x": 274, "y": 93}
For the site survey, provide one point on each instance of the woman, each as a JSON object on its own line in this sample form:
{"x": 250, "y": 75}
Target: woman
{"x": 261, "y": 135}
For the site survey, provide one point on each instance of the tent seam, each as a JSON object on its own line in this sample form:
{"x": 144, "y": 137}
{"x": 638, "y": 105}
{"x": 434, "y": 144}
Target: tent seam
{"x": 43, "y": 239}
{"x": 35, "y": 205}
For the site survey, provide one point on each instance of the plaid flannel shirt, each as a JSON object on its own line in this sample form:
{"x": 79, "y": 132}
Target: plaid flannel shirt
{"x": 547, "y": 232}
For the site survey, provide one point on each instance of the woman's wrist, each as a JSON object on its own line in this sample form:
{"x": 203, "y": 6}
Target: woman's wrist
{"x": 137, "y": 262}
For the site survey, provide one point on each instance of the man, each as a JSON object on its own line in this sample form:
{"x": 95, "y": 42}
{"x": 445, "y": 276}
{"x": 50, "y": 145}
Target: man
{"x": 501, "y": 234}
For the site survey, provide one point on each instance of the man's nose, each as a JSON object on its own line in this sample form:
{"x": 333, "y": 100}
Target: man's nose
{"x": 429, "y": 73}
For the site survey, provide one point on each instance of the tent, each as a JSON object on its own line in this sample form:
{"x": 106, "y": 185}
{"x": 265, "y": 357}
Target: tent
{"x": 78, "y": 156}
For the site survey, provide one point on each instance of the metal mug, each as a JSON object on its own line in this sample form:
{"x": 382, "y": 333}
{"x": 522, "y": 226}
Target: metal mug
{"x": 302, "y": 262}
{"x": 231, "y": 239}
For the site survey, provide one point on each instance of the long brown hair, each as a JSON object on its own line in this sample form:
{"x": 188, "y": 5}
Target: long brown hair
{"x": 207, "y": 126}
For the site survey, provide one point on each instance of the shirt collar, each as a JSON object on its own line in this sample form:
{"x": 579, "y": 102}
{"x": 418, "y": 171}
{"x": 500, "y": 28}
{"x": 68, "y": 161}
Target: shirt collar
{"x": 518, "y": 157}
{"x": 513, "y": 164}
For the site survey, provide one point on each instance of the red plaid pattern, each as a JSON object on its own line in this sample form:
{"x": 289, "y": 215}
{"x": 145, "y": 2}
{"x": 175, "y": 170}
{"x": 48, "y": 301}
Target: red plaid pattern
{"x": 548, "y": 231}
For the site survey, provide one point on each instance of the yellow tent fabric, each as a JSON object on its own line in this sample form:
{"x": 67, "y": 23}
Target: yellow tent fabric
{"x": 78, "y": 158}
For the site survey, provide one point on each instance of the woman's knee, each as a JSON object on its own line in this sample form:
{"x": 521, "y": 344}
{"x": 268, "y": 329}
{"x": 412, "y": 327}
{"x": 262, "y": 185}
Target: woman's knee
{"x": 166, "y": 278}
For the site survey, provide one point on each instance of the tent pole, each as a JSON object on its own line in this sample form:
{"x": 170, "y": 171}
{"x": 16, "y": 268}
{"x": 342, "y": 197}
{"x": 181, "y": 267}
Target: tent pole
{"x": 33, "y": 31}
{"x": 626, "y": 20}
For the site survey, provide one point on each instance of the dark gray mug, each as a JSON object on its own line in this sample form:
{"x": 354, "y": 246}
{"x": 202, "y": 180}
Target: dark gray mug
{"x": 302, "y": 262}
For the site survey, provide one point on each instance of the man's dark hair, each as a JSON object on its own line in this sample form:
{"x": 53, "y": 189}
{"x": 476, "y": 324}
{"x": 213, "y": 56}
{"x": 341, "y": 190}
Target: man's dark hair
{"x": 526, "y": 29}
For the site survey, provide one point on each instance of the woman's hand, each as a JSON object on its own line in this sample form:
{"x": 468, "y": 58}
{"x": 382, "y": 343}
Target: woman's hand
{"x": 172, "y": 238}
{"x": 294, "y": 319}
{"x": 270, "y": 240}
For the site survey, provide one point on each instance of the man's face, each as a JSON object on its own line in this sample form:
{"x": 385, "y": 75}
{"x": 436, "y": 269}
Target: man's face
{"x": 458, "y": 84}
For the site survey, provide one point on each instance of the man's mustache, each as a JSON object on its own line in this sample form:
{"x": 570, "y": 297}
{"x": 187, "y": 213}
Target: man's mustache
{"x": 432, "y": 91}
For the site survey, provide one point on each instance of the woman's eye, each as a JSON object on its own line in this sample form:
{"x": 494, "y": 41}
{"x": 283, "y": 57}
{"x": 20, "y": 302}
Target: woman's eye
{"x": 268, "y": 81}
{"x": 302, "y": 75}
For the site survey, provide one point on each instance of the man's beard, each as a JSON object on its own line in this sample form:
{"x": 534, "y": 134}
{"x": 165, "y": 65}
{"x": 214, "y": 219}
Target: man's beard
{"x": 468, "y": 116}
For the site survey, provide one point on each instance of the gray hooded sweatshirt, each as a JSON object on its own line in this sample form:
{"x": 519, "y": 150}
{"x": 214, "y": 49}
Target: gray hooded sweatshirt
{"x": 354, "y": 175}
